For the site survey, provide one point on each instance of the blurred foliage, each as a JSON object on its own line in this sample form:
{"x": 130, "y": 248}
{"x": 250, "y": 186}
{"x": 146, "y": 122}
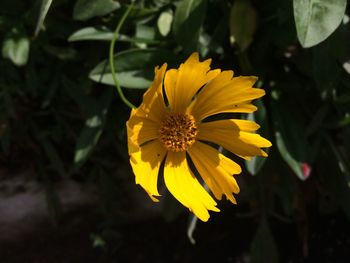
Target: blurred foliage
{"x": 61, "y": 116}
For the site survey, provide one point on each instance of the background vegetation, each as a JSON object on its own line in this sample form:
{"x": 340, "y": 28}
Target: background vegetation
{"x": 61, "y": 117}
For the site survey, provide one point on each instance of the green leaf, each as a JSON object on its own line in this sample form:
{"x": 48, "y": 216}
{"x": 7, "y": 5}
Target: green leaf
{"x": 16, "y": 48}
{"x": 286, "y": 155}
{"x": 53, "y": 202}
{"x": 86, "y": 9}
{"x": 45, "y": 6}
{"x": 242, "y": 23}
{"x": 257, "y": 162}
{"x": 91, "y": 33}
{"x": 53, "y": 156}
{"x": 291, "y": 139}
{"x": 141, "y": 13}
{"x": 88, "y": 139}
{"x": 164, "y": 22}
{"x": 326, "y": 71}
{"x": 316, "y": 20}
{"x": 93, "y": 128}
{"x": 335, "y": 175}
{"x": 263, "y": 248}
{"x": 145, "y": 32}
{"x": 188, "y": 20}
{"x": 134, "y": 67}
{"x": 316, "y": 122}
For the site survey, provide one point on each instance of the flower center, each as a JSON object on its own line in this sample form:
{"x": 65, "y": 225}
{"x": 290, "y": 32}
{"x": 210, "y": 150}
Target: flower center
{"x": 178, "y": 132}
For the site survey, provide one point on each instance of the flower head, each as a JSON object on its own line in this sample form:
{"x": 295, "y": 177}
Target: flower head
{"x": 169, "y": 126}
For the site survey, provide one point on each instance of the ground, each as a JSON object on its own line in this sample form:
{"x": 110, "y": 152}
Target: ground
{"x": 143, "y": 235}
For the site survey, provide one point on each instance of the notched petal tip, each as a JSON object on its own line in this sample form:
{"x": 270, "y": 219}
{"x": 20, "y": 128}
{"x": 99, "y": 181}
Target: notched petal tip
{"x": 154, "y": 198}
{"x": 232, "y": 199}
{"x": 264, "y": 154}
{"x": 255, "y": 78}
{"x": 193, "y": 56}
{"x": 163, "y": 67}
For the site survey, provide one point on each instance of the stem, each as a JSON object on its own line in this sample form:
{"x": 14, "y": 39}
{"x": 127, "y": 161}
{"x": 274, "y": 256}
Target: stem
{"x": 111, "y": 57}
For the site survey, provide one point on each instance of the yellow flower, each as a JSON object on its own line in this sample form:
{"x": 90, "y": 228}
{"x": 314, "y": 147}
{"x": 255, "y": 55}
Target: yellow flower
{"x": 171, "y": 128}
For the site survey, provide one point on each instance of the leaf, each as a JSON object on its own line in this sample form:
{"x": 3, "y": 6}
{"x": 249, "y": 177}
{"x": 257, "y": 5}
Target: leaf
{"x": 88, "y": 139}
{"x": 93, "y": 128}
{"x": 326, "y": 71}
{"x": 147, "y": 33}
{"x": 316, "y": 122}
{"x": 293, "y": 164}
{"x": 256, "y": 163}
{"x": 242, "y": 23}
{"x": 16, "y": 48}
{"x": 335, "y": 175}
{"x": 91, "y": 33}
{"x": 263, "y": 248}
{"x": 188, "y": 19}
{"x": 53, "y": 202}
{"x": 86, "y": 9}
{"x": 141, "y": 13}
{"x": 290, "y": 140}
{"x": 316, "y": 20}
{"x": 52, "y": 155}
{"x": 76, "y": 92}
{"x": 45, "y": 6}
{"x": 164, "y": 22}
{"x": 134, "y": 67}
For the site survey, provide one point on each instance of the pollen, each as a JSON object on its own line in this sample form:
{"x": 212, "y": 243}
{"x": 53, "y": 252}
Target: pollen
{"x": 178, "y": 132}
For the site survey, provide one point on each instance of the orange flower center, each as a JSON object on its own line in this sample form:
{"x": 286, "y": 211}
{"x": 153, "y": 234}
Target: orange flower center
{"x": 178, "y": 132}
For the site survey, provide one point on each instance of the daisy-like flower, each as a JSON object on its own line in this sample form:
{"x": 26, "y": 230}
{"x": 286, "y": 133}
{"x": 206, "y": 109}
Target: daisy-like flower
{"x": 169, "y": 126}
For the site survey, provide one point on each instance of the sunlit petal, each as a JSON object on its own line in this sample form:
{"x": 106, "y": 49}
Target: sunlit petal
{"x": 178, "y": 90}
{"x": 153, "y": 106}
{"x": 225, "y": 94}
{"x": 241, "y": 143}
{"x": 145, "y": 165}
{"x": 216, "y": 170}
{"x": 184, "y": 186}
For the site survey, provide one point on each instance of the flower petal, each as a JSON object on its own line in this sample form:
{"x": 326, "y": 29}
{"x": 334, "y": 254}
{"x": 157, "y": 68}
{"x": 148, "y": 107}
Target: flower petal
{"x": 225, "y": 94}
{"x": 184, "y": 186}
{"x": 182, "y": 84}
{"x": 233, "y": 124}
{"x": 216, "y": 170}
{"x": 241, "y": 143}
{"x": 140, "y": 130}
{"x": 153, "y": 106}
{"x": 145, "y": 164}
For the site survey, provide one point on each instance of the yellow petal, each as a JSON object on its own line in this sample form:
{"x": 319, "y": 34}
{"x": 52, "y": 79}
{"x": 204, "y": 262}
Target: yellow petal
{"x": 216, "y": 170}
{"x": 233, "y": 124}
{"x": 225, "y": 94}
{"x": 140, "y": 130}
{"x": 182, "y": 84}
{"x": 145, "y": 164}
{"x": 184, "y": 186}
{"x": 153, "y": 106}
{"x": 241, "y": 143}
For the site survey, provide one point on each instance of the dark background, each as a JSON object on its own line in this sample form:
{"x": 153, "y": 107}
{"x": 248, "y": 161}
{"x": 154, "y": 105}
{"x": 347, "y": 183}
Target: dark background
{"x": 67, "y": 193}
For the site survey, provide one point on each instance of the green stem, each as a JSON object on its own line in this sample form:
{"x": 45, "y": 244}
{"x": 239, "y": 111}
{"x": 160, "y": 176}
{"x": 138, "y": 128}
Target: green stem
{"x": 111, "y": 57}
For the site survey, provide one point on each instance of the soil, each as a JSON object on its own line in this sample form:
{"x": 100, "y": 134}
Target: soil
{"x": 145, "y": 236}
